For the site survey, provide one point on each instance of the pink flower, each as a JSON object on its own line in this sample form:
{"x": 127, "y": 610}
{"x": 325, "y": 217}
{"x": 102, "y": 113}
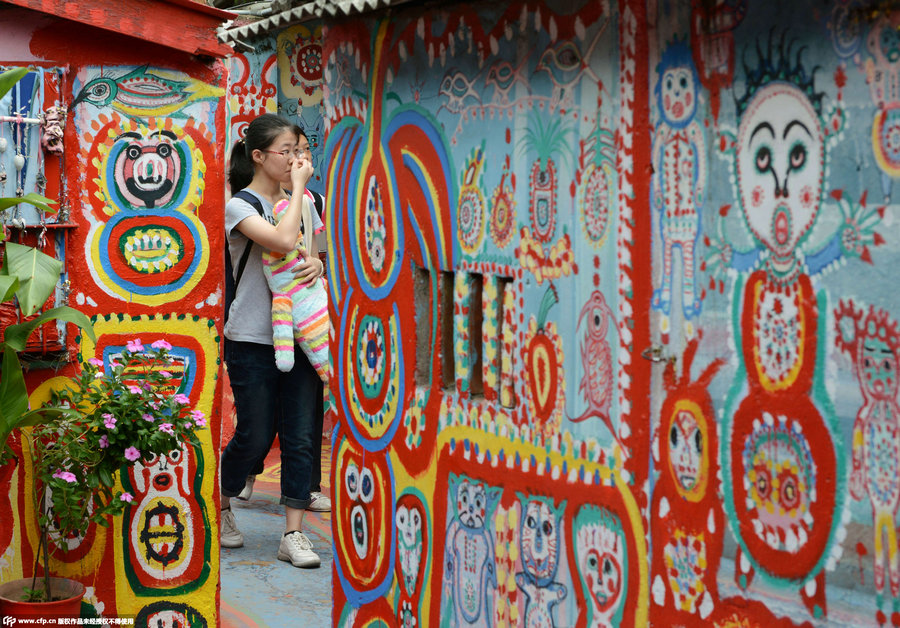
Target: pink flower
{"x": 167, "y": 428}
{"x": 95, "y": 362}
{"x": 134, "y": 390}
{"x": 109, "y": 420}
{"x": 104, "y": 442}
{"x": 182, "y": 399}
{"x": 68, "y": 476}
{"x": 199, "y": 418}
{"x": 162, "y": 344}
{"x": 132, "y": 454}
{"x": 126, "y": 497}
{"x": 148, "y": 417}
{"x": 135, "y": 345}
{"x": 166, "y": 374}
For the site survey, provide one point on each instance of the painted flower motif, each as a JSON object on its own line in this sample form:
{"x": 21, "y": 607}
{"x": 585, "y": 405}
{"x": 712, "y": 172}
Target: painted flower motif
{"x": 161, "y": 344}
{"x": 135, "y": 345}
{"x": 132, "y": 454}
{"x": 68, "y": 476}
{"x": 109, "y": 420}
{"x": 167, "y": 428}
{"x": 126, "y": 497}
{"x": 104, "y": 442}
{"x": 182, "y": 399}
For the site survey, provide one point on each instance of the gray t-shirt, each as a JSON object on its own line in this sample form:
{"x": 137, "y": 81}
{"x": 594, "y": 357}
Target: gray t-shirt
{"x": 250, "y": 316}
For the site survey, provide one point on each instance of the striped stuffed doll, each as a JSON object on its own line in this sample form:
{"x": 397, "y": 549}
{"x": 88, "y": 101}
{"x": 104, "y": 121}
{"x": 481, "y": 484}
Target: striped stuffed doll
{"x": 299, "y": 311}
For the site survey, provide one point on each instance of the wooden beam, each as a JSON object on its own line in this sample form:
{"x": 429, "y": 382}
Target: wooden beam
{"x": 180, "y": 24}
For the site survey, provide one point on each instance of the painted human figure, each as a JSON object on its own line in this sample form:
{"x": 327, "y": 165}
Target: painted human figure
{"x": 781, "y": 443}
{"x": 602, "y": 557}
{"x": 872, "y": 340}
{"x": 412, "y": 536}
{"x": 677, "y": 187}
{"x": 687, "y": 519}
{"x": 539, "y": 547}
{"x": 469, "y": 579}
{"x": 882, "y": 72}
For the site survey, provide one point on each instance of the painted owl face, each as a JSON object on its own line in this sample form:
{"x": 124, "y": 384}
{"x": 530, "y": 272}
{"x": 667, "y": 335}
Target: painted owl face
{"x": 678, "y": 94}
{"x": 364, "y": 517}
{"x": 878, "y": 368}
{"x": 780, "y": 162}
{"x": 685, "y": 449}
{"x": 471, "y": 504}
{"x": 539, "y": 541}
{"x": 410, "y": 533}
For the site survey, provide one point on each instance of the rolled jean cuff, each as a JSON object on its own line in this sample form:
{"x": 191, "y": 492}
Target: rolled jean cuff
{"x": 299, "y": 504}
{"x": 225, "y": 493}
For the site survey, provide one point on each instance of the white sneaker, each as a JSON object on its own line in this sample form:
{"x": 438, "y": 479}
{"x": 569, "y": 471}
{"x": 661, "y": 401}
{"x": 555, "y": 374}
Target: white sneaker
{"x": 229, "y": 535}
{"x": 320, "y": 502}
{"x": 248, "y": 489}
{"x": 296, "y": 548}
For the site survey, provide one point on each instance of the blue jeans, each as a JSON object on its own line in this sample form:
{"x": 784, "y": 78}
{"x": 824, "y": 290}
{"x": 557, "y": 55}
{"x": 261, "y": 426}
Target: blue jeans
{"x": 259, "y": 389}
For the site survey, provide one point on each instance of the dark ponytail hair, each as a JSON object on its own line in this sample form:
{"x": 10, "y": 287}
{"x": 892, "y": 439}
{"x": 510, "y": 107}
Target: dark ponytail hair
{"x": 260, "y": 134}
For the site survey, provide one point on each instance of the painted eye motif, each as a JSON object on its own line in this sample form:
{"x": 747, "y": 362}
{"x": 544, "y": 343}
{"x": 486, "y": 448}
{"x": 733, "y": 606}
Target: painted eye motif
{"x": 886, "y": 366}
{"x": 417, "y": 520}
{"x": 163, "y": 150}
{"x": 401, "y": 517}
{"x": 175, "y": 455}
{"x": 351, "y": 481}
{"x": 100, "y": 90}
{"x": 763, "y": 159}
{"x": 530, "y": 522}
{"x": 798, "y": 156}
{"x": 683, "y": 82}
{"x": 669, "y": 83}
{"x": 698, "y": 441}
{"x": 366, "y": 486}
{"x": 547, "y": 528}
{"x": 133, "y": 151}
{"x": 592, "y": 563}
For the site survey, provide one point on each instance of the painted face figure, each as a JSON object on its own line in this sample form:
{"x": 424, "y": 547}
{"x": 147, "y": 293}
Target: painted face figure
{"x": 879, "y": 369}
{"x": 889, "y": 43}
{"x": 678, "y": 95}
{"x": 360, "y": 489}
{"x": 602, "y": 564}
{"x": 780, "y": 163}
{"x": 603, "y": 574}
{"x": 686, "y": 450}
{"x": 540, "y": 541}
{"x": 471, "y": 504}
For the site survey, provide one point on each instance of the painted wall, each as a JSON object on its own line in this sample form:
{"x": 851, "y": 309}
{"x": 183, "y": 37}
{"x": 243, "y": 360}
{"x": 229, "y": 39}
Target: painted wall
{"x": 141, "y": 185}
{"x": 525, "y": 201}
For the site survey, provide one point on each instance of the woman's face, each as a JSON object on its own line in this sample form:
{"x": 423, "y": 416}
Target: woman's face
{"x": 276, "y": 159}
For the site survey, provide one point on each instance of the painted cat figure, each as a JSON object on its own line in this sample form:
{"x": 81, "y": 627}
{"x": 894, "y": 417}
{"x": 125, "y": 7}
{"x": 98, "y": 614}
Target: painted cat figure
{"x": 470, "y": 555}
{"x": 539, "y": 547}
{"x": 299, "y": 310}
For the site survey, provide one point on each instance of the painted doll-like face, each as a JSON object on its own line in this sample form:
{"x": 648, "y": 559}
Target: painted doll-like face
{"x": 540, "y": 541}
{"x": 360, "y": 489}
{"x": 471, "y": 504}
{"x": 603, "y": 574}
{"x": 409, "y": 546}
{"x": 878, "y": 369}
{"x": 780, "y": 161}
{"x": 678, "y": 95}
{"x": 686, "y": 449}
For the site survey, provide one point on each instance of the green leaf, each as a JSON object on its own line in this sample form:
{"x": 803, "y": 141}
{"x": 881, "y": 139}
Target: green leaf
{"x": 10, "y": 78}
{"x": 13, "y": 394}
{"x": 17, "y": 335}
{"x": 37, "y": 273}
{"x": 8, "y": 287}
{"x": 105, "y": 476}
{"x": 41, "y": 202}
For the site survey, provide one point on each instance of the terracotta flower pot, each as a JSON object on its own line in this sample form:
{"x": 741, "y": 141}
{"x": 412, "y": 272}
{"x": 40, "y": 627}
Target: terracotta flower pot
{"x": 67, "y": 596}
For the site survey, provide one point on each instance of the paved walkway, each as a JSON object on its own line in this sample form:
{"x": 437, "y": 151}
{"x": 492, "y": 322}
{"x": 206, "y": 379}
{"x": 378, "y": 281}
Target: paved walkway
{"x": 258, "y": 590}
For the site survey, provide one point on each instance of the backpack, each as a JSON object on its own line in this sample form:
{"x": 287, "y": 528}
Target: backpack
{"x": 232, "y": 280}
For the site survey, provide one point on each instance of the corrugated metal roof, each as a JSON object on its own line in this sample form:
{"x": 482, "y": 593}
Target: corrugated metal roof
{"x": 288, "y": 12}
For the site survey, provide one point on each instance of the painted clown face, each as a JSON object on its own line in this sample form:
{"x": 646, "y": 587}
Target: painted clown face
{"x": 678, "y": 95}
{"x": 780, "y": 162}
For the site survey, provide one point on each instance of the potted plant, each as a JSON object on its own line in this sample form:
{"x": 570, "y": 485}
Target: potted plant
{"x": 106, "y": 418}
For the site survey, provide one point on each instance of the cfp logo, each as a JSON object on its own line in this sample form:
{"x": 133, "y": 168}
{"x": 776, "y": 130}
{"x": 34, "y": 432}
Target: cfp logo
{"x": 8, "y": 621}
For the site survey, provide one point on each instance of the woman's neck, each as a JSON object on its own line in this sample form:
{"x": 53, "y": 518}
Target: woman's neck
{"x": 269, "y": 189}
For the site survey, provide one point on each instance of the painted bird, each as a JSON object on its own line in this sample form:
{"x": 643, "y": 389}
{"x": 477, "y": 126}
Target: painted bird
{"x": 503, "y": 76}
{"x": 145, "y": 93}
{"x": 565, "y": 64}
{"x": 597, "y": 383}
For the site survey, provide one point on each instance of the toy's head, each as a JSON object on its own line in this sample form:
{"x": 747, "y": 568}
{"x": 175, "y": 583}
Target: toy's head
{"x": 678, "y": 85}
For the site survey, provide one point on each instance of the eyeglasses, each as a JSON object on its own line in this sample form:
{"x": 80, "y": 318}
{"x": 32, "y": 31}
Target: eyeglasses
{"x": 284, "y": 153}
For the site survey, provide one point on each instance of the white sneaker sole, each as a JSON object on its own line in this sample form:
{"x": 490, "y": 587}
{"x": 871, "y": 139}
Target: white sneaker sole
{"x": 305, "y": 564}
{"x": 313, "y": 508}
{"x": 231, "y": 544}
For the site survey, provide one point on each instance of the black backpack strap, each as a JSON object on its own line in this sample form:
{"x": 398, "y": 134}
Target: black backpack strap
{"x": 244, "y": 195}
{"x": 319, "y": 201}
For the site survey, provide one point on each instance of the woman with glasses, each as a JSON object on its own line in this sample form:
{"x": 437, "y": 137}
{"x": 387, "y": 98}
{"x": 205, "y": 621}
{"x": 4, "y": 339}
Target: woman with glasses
{"x": 261, "y": 164}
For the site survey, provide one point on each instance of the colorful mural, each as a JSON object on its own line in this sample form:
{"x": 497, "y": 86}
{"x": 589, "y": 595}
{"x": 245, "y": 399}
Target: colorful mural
{"x": 487, "y": 192}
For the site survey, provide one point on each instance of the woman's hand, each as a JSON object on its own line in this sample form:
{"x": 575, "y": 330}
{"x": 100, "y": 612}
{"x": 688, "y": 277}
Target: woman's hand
{"x": 309, "y": 269}
{"x": 301, "y": 171}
